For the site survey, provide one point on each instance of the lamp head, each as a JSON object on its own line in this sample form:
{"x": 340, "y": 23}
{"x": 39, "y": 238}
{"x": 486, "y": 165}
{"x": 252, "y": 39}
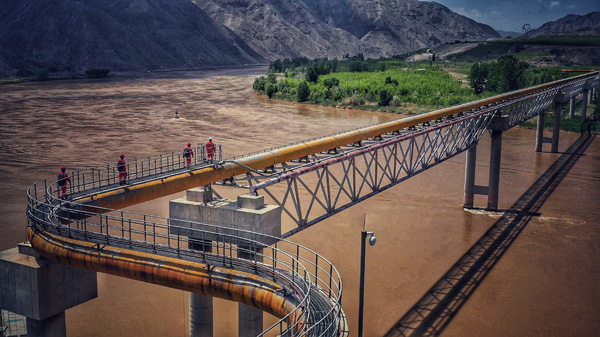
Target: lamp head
{"x": 372, "y": 239}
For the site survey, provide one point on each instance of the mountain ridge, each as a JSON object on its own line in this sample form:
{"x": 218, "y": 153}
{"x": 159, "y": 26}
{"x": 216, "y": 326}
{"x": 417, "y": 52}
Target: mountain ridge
{"x": 69, "y": 36}
{"x": 571, "y": 24}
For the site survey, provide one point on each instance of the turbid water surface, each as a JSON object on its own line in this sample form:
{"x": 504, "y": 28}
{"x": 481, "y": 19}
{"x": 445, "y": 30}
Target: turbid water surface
{"x": 546, "y": 284}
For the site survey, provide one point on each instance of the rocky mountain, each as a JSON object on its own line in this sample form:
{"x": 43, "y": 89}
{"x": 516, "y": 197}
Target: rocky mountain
{"x": 588, "y": 24}
{"x": 331, "y": 28}
{"x": 68, "y": 36}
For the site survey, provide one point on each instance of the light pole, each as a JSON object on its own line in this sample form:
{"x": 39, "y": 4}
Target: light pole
{"x": 372, "y": 241}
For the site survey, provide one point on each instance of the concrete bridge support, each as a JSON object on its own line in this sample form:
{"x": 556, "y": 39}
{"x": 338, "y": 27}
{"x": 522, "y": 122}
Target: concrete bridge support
{"x": 42, "y": 290}
{"x": 572, "y": 108}
{"x": 497, "y": 127}
{"x": 250, "y": 319}
{"x": 539, "y": 134}
{"x": 470, "y": 176}
{"x": 584, "y": 103}
{"x": 249, "y": 213}
{"x": 556, "y": 126}
{"x": 201, "y": 307}
{"x": 494, "y": 177}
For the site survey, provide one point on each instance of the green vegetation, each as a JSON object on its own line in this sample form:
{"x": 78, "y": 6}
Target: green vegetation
{"x": 393, "y": 85}
{"x": 367, "y": 84}
{"x": 508, "y": 74}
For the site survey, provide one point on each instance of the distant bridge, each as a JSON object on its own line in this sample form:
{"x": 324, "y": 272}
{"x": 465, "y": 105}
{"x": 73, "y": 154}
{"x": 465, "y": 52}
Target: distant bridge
{"x": 318, "y": 178}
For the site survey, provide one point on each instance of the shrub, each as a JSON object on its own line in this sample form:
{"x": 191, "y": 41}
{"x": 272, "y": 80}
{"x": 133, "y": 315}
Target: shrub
{"x": 478, "y": 76}
{"x": 369, "y": 97}
{"x": 384, "y": 98}
{"x": 388, "y": 80}
{"x": 331, "y": 82}
{"x": 396, "y": 101}
{"x": 356, "y": 100}
{"x": 312, "y": 74}
{"x": 270, "y": 89}
{"x": 259, "y": 84}
{"x": 303, "y": 92}
{"x": 281, "y": 86}
{"x": 336, "y": 93}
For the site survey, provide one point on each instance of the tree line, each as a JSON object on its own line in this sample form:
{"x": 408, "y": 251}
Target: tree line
{"x": 507, "y": 74}
{"x": 392, "y": 82}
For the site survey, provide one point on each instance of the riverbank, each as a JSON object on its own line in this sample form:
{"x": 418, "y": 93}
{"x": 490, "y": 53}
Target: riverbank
{"x": 126, "y": 74}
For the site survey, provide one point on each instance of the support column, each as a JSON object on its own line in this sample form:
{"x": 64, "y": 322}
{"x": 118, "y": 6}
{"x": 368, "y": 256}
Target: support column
{"x": 470, "y": 176}
{"x": 42, "y": 290}
{"x": 539, "y": 135}
{"x": 494, "y": 179}
{"x": 250, "y": 319}
{"x": 54, "y": 326}
{"x": 584, "y": 104}
{"x": 201, "y": 307}
{"x": 247, "y": 213}
{"x": 556, "y": 127}
{"x": 572, "y": 108}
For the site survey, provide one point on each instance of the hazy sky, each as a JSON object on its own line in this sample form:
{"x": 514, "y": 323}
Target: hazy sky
{"x": 510, "y": 15}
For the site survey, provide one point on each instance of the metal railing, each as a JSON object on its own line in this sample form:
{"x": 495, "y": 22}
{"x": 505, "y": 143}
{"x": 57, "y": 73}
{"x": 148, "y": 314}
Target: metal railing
{"x": 138, "y": 171}
{"x": 314, "y": 282}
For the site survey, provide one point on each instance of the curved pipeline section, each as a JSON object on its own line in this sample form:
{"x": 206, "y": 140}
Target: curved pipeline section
{"x": 284, "y": 279}
{"x": 190, "y": 276}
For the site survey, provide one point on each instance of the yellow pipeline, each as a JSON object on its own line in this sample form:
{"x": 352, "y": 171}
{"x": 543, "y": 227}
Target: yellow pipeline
{"x": 195, "y": 277}
{"x": 132, "y": 195}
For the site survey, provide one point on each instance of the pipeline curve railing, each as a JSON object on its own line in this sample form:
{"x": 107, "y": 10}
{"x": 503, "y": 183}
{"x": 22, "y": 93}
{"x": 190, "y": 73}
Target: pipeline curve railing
{"x": 88, "y": 231}
{"x": 285, "y": 279}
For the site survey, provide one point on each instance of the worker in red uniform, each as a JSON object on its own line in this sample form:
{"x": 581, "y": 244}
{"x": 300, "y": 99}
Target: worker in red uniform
{"x": 122, "y": 168}
{"x": 210, "y": 150}
{"x": 188, "y": 153}
{"x": 63, "y": 180}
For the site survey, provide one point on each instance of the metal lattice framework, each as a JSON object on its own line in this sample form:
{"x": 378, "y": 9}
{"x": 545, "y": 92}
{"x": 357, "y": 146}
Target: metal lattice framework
{"x": 321, "y": 185}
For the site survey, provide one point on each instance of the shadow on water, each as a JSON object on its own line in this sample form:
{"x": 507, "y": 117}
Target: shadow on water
{"x": 434, "y": 311}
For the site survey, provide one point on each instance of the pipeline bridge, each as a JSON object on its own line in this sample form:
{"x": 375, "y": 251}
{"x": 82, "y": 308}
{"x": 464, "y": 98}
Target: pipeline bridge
{"x": 310, "y": 180}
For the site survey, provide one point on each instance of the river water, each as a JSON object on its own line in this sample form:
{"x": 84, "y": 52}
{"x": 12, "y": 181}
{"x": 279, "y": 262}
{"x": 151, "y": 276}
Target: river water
{"x": 546, "y": 283}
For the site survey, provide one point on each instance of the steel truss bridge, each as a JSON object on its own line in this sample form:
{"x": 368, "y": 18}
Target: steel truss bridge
{"x": 311, "y": 180}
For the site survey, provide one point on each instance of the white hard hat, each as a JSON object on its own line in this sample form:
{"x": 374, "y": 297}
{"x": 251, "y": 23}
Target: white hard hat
{"x": 209, "y": 138}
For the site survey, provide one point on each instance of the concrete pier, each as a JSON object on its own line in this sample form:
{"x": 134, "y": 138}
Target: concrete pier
{"x": 539, "y": 134}
{"x": 42, "y": 290}
{"x": 494, "y": 178}
{"x": 250, "y": 319}
{"x": 584, "y": 103}
{"x": 556, "y": 126}
{"x": 201, "y": 307}
{"x": 470, "y": 177}
{"x": 572, "y": 108}
{"x": 248, "y": 213}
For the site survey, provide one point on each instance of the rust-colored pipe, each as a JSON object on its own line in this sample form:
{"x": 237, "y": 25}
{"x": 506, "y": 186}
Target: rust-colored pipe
{"x": 195, "y": 277}
{"x": 136, "y": 194}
